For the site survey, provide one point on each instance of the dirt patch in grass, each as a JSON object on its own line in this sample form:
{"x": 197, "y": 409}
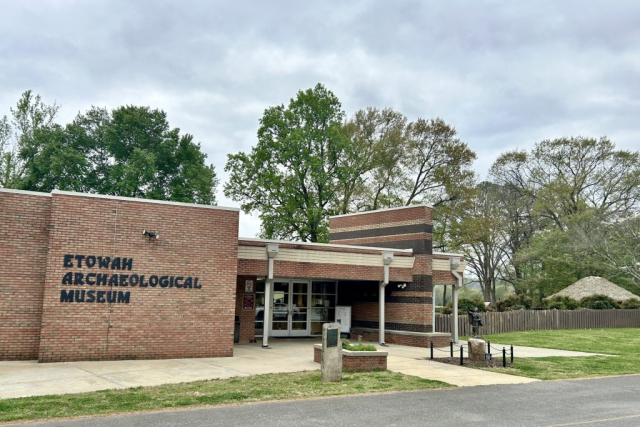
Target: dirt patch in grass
{"x": 494, "y": 363}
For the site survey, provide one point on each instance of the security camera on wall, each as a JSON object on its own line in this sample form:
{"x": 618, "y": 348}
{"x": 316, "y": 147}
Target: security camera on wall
{"x": 150, "y": 234}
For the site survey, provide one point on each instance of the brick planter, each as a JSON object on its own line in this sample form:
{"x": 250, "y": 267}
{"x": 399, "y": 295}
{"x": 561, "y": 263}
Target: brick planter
{"x": 357, "y": 360}
{"x": 413, "y": 339}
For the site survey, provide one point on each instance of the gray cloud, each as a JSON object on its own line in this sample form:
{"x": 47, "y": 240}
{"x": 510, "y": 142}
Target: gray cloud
{"x": 505, "y": 74}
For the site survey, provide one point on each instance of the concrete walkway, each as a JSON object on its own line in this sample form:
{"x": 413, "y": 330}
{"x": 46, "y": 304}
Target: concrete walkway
{"x": 20, "y": 379}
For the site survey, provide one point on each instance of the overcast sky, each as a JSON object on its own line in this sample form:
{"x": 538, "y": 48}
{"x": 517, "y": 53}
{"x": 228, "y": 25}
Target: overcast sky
{"x": 505, "y": 74}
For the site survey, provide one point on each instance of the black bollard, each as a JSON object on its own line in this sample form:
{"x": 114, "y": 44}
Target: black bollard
{"x": 504, "y": 357}
{"x": 461, "y": 356}
{"x": 489, "y": 346}
{"x": 512, "y": 355}
{"x": 451, "y": 345}
{"x": 431, "y": 347}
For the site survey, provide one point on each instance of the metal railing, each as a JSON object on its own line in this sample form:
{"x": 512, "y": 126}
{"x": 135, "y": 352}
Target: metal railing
{"x": 462, "y": 349}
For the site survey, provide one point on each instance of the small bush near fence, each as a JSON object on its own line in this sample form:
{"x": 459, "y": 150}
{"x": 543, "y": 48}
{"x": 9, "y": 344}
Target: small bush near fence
{"x": 561, "y": 303}
{"x": 464, "y": 305}
{"x": 593, "y": 302}
{"x": 598, "y": 302}
{"x": 632, "y": 303}
{"x": 515, "y": 302}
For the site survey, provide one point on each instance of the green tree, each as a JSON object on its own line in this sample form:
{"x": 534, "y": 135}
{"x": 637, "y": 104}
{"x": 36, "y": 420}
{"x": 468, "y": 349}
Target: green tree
{"x": 615, "y": 245}
{"x": 478, "y": 231}
{"x": 399, "y": 163}
{"x": 292, "y": 176}
{"x": 553, "y": 194}
{"x": 569, "y": 175}
{"x": 6, "y": 153}
{"x": 30, "y": 119}
{"x": 378, "y": 144}
{"x": 130, "y": 151}
{"x": 437, "y": 164}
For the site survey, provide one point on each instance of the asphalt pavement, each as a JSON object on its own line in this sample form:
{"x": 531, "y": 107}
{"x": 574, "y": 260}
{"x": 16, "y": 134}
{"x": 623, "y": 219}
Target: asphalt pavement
{"x": 612, "y": 401}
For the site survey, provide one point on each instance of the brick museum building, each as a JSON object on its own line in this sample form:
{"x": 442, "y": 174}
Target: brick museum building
{"x": 92, "y": 277}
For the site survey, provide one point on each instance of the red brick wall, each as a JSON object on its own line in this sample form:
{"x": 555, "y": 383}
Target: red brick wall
{"x": 394, "y": 312}
{"x": 158, "y": 322}
{"x": 417, "y": 213}
{"x": 24, "y": 233}
{"x": 444, "y": 277}
{"x": 356, "y": 363}
{"x": 247, "y": 317}
{"x": 407, "y": 308}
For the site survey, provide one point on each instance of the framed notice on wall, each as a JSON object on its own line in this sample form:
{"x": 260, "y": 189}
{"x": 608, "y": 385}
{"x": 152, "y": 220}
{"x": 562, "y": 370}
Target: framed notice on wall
{"x": 248, "y": 302}
{"x": 248, "y": 286}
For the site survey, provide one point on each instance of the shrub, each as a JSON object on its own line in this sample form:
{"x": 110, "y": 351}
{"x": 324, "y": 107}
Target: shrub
{"x": 357, "y": 347}
{"x": 561, "y": 303}
{"x": 598, "y": 302}
{"x": 631, "y": 303}
{"x": 515, "y": 302}
{"x": 464, "y": 305}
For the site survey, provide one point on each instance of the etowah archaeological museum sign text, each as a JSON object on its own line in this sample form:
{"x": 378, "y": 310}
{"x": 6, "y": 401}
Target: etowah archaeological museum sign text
{"x": 98, "y": 280}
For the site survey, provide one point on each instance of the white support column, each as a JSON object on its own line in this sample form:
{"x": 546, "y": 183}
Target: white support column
{"x": 387, "y": 259}
{"x": 381, "y": 316}
{"x": 272, "y": 251}
{"x": 266, "y": 328}
{"x": 454, "y": 264}
{"x": 433, "y": 309}
{"x": 454, "y": 297}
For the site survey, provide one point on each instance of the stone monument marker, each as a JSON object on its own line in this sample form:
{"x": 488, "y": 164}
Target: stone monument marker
{"x": 477, "y": 346}
{"x": 331, "y": 366}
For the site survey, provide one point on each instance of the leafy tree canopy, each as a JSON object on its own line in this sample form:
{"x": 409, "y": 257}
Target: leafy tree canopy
{"x": 130, "y": 151}
{"x": 292, "y": 175}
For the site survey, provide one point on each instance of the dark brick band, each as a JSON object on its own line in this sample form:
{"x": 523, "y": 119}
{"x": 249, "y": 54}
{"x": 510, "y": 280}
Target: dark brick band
{"x": 392, "y": 326}
{"x": 421, "y": 283}
{"x": 408, "y": 300}
{"x": 386, "y": 231}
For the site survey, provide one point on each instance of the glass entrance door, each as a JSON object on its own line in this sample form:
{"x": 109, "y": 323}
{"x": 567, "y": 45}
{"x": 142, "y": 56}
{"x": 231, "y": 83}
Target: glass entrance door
{"x": 290, "y": 306}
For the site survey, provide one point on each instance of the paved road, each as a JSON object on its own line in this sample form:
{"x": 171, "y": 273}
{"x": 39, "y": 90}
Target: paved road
{"x": 597, "y": 402}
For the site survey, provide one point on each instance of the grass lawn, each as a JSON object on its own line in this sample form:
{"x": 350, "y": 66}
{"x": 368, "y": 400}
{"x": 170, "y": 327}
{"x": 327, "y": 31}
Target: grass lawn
{"x": 623, "y": 342}
{"x": 257, "y": 388}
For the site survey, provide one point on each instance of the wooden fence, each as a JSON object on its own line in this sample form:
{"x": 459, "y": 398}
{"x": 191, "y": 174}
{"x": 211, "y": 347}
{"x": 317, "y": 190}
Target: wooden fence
{"x": 533, "y": 320}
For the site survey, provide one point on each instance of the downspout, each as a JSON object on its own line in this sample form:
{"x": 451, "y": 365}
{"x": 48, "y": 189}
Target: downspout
{"x": 455, "y": 263}
{"x": 272, "y": 251}
{"x": 387, "y": 258}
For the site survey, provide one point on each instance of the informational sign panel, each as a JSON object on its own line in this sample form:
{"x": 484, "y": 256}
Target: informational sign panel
{"x": 248, "y": 286}
{"x": 248, "y": 302}
{"x": 332, "y": 337}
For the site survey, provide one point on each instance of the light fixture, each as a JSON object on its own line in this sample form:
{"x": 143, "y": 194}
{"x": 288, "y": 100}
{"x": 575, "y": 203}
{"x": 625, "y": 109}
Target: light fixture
{"x": 402, "y": 285}
{"x": 151, "y": 235}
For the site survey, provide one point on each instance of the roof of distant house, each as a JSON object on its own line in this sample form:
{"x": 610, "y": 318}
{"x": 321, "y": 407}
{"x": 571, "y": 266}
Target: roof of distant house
{"x": 594, "y": 285}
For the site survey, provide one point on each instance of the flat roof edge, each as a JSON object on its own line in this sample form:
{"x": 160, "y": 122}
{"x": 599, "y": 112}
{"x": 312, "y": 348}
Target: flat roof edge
{"x": 424, "y": 205}
{"x": 448, "y": 254}
{"x": 26, "y": 192}
{"x": 135, "y": 199}
{"x": 330, "y": 245}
